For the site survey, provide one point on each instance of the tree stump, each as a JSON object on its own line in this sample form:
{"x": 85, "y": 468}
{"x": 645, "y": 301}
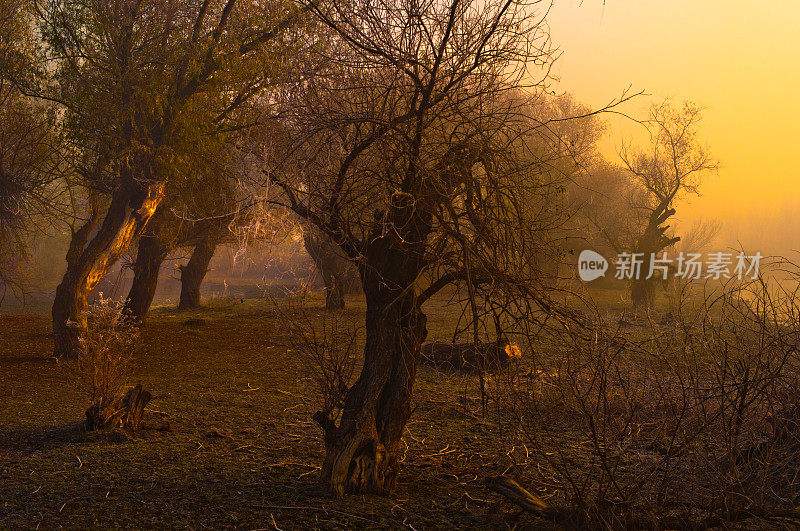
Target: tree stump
{"x": 124, "y": 412}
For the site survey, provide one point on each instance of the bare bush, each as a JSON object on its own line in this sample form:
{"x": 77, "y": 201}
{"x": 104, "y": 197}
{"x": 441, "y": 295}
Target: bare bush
{"x": 690, "y": 423}
{"x": 103, "y": 365}
{"x": 326, "y": 346}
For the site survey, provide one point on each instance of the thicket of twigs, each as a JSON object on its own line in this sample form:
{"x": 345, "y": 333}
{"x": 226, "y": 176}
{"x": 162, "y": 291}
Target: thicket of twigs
{"x": 691, "y": 420}
{"x": 686, "y": 418}
{"x": 326, "y": 346}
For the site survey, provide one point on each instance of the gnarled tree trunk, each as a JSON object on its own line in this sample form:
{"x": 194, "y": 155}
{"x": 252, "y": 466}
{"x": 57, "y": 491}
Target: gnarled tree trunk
{"x": 193, "y": 273}
{"x": 149, "y": 257}
{"x": 652, "y": 242}
{"x": 87, "y": 263}
{"x": 361, "y": 453}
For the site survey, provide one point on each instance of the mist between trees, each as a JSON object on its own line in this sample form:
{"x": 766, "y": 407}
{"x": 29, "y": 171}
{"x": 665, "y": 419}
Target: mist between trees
{"x": 416, "y": 152}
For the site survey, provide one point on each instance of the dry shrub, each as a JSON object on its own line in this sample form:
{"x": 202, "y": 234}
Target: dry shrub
{"x": 106, "y": 351}
{"x": 325, "y": 344}
{"x": 693, "y": 422}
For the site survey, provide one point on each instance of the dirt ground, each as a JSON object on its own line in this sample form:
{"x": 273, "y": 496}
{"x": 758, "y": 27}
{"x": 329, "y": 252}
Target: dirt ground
{"x": 234, "y": 444}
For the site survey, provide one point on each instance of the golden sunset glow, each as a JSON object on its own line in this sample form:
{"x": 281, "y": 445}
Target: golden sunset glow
{"x": 739, "y": 59}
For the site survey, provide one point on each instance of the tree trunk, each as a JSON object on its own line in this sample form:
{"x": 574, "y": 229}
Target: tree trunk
{"x": 149, "y": 257}
{"x": 334, "y": 295}
{"x": 126, "y": 216}
{"x": 331, "y": 265}
{"x": 652, "y": 241}
{"x": 362, "y": 452}
{"x": 643, "y": 294}
{"x": 193, "y": 273}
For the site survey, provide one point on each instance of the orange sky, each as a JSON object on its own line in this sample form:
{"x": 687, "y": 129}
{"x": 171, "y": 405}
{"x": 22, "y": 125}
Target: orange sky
{"x": 740, "y": 59}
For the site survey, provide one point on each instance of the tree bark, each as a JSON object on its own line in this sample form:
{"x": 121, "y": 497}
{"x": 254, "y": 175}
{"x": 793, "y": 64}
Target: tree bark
{"x": 87, "y": 263}
{"x": 193, "y": 273}
{"x": 362, "y": 452}
{"x": 149, "y": 257}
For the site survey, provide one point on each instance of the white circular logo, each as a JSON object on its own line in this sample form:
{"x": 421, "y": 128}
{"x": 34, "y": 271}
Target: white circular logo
{"x": 591, "y": 265}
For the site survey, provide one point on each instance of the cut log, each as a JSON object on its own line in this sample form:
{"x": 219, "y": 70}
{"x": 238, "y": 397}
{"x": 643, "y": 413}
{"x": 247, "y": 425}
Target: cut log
{"x": 124, "y": 412}
{"x": 566, "y": 518}
{"x": 469, "y": 356}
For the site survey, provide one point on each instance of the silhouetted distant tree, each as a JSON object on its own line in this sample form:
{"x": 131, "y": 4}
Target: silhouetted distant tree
{"x": 337, "y": 272}
{"x": 671, "y": 167}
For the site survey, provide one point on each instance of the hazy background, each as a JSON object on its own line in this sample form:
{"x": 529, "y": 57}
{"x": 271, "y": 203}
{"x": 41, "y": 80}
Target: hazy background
{"x": 739, "y": 59}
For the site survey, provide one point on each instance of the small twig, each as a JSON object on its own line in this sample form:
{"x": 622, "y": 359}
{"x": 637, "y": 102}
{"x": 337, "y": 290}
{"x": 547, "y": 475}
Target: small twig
{"x": 443, "y": 451}
{"x": 68, "y": 501}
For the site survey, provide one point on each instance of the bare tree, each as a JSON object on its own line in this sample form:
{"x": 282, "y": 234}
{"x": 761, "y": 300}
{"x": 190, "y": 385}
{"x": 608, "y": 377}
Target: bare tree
{"x": 409, "y": 148}
{"x": 672, "y": 166}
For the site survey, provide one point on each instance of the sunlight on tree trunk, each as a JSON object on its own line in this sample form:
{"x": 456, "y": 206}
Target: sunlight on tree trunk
{"x": 87, "y": 263}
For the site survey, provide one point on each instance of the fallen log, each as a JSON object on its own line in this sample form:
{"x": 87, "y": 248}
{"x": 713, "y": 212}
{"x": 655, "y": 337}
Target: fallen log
{"x": 517, "y": 494}
{"x": 507, "y": 487}
{"x": 470, "y": 356}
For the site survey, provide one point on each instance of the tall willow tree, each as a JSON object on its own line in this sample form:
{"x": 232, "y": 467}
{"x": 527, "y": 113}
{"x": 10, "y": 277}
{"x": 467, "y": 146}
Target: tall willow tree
{"x": 671, "y": 167}
{"x": 145, "y": 86}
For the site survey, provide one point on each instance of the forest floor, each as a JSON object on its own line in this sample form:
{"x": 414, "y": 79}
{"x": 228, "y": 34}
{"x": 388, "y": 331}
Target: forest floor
{"x": 234, "y": 445}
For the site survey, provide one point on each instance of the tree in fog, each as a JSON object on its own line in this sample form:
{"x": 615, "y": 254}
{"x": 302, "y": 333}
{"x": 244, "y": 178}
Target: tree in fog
{"x": 608, "y": 207}
{"x": 166, "y": 233}
{"x": 28, "y": 139}
{"x": 336, "y": 270}
{"x": 145, "y": 86}
{"x": 670, "y": 168}
{"x": 410, "y": 150}
{"x": 196, "y": 213}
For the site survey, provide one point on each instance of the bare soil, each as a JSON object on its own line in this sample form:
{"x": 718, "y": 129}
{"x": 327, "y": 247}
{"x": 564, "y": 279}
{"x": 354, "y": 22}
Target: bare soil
{"x": 231, "y": 442}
